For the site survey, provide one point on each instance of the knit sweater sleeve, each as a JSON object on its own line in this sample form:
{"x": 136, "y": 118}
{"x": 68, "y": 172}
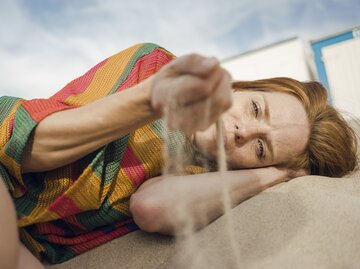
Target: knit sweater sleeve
{"x": 19, "y": 117}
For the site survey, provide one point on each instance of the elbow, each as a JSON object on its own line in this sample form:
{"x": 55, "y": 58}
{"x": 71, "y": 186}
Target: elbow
{"x": 149, "y": 213}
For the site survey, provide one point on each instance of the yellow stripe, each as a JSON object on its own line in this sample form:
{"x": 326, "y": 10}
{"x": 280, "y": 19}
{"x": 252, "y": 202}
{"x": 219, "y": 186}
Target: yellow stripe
{"x": 147, "y": 147}
{"x": 122, "y": 207}
{"x": 105, "y": 78}
{"x": 13, "y": 167}
{"x": 40, "y": 213}
{"x": 56, "y": 183}
{"x": 5, "y": 126}
{"x": 84, "y": 193}
{"x": 11, "y": 164}
{"x": 122, "y": 188}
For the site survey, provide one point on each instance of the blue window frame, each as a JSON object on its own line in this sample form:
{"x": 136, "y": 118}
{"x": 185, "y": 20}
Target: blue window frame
{"x": 317, "y": 47}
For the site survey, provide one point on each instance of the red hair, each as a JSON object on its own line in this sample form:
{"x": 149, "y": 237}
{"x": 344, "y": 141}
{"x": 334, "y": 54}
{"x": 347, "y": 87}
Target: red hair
{"x": 332, "y": 146}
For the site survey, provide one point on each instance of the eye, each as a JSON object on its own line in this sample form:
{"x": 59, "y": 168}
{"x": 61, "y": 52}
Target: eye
{"x": 255, "y": 108}
{"x": 260, "y": 149}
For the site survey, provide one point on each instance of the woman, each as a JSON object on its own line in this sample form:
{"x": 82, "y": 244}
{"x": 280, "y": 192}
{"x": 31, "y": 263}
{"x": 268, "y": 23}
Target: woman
{"x": 73, "y": 164}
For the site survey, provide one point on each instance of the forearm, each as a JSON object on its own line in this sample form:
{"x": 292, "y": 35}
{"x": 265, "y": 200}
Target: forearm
{"x": 66, "y": 136}
{"x": 161, "y": 204}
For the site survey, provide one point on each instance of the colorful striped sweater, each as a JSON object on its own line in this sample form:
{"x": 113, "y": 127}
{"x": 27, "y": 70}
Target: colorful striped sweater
{"x": 69, "y": 210}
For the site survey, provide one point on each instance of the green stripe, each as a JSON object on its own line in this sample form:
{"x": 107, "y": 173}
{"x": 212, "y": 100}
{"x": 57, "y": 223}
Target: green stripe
{"x": 175, "y": 138}
{"x": 103, "y": 216}
{"x": 35, "y": 185}
{"x": 106, "y": 163}
{"x": 23, "y": 126}
{"x": 142, "y": 51}
{"x": 159, "y": 128}
{"x": 56, "y": 253}
{"x": 6, "y": 105}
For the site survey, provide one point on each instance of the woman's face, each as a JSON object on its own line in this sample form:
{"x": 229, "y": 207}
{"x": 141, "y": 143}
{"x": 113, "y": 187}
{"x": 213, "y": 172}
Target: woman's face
{"x": 260, "y": 129}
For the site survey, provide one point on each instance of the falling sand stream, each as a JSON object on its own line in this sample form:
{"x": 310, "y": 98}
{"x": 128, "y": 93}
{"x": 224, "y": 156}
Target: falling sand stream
{"x": 175, "y": 162}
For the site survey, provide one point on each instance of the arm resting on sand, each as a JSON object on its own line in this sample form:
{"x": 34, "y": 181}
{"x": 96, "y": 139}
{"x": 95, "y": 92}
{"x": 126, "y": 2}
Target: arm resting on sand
{"x": 69, "y": 135}
{"x": 169, "y": 205}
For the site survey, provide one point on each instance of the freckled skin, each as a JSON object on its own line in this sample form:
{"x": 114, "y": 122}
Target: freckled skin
{"x": 247, "y": 127}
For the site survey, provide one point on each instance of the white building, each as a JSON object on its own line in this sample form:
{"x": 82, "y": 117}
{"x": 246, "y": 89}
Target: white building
{"x": 336, "y": 58}
{"x": 283, "y": 59}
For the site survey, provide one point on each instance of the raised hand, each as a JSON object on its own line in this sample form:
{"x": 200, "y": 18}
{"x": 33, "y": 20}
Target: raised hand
{"x": 193, "y": 91}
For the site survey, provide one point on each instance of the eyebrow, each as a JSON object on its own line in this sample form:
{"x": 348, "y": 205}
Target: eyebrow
{"x": 269, "y": 143}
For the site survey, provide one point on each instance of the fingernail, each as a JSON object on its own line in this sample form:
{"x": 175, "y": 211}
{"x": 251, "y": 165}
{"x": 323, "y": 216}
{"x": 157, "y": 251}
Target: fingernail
{"x": 210, "y": 62}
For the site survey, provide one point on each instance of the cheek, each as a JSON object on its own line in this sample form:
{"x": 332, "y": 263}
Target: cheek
{"x": 205, "y": 141}
{"x": 242, "y": 157}
{"x": 236, "y": 157}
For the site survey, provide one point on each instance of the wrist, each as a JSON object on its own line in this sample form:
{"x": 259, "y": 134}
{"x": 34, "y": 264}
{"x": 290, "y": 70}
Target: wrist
{"x": 272, "y": 176}
{"x": 137, "y": 100}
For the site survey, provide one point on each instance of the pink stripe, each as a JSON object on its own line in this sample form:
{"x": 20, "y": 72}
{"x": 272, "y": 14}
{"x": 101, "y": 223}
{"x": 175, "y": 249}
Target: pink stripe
{"x": 132, "y": 167}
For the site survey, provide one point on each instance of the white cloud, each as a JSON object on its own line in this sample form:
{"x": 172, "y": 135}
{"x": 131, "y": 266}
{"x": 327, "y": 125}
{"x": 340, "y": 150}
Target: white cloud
{"x": 42, "y": 49}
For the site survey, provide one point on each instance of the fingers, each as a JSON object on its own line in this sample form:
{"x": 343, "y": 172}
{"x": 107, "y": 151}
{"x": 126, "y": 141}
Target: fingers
{"x": 194, "y": 64}
{"x": 192, "y": 89}
{"x": 190, "y": 118}
{"x": 222, "y": 97}
{"x": 218, "y": 102}
{"x": 200, "y": 115}
{"x": 184, "y": 81}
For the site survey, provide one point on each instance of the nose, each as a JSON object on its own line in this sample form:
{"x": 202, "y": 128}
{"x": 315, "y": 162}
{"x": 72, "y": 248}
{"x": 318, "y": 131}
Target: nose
{"x": 243, "y": 132}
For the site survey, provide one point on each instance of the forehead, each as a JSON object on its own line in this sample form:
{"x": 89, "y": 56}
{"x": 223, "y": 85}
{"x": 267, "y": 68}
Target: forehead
{"x": 288, "y": 124}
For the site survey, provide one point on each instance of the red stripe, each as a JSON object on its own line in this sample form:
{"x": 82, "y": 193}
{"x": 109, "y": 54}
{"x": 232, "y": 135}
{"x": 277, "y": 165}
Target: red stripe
{"x": 78, "y": 85}
{"x": 48, "y": 228}
{"x": 45, "y": 228}
{"x": 145, "y": 67}
{"x": 132, "y": 167}
{"x": 100, "y": 240}
{"x": 11, "y": 126}
{"x": 41, "y": 108}
{"x": 91, "y": 236}
{"x": 64, "y": 206}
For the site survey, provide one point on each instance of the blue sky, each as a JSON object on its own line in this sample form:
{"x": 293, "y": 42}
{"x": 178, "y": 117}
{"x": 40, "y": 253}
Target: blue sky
{"x": 46, "y": 43}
